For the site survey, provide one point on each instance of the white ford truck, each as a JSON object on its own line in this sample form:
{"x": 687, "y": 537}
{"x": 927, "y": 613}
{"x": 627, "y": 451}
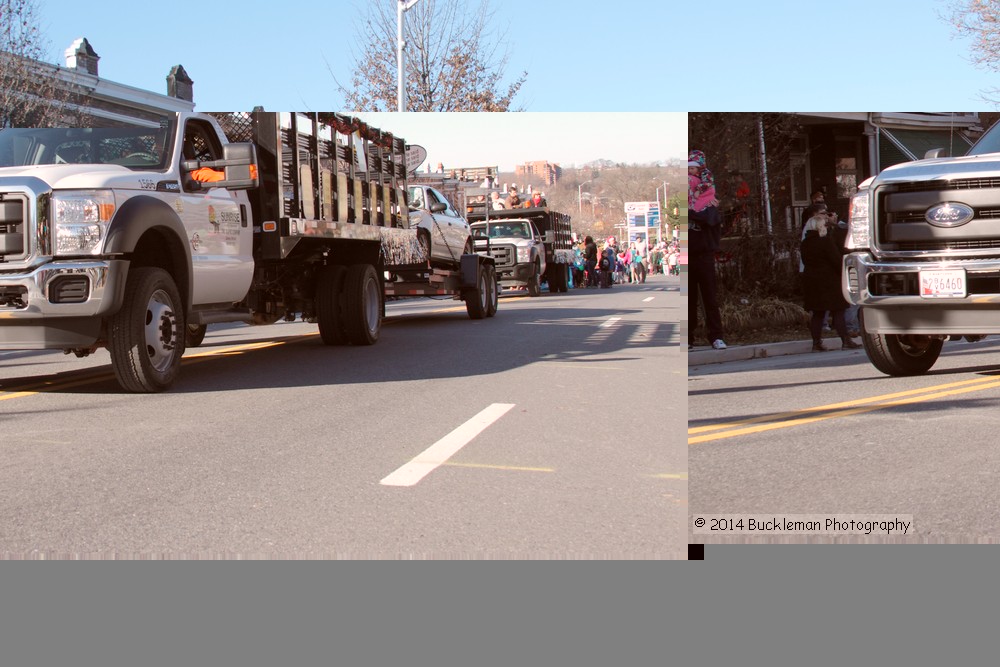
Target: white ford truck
{"x": 131, "y": 237}
{"x": 529, "y": 246}
{"x": 924, "y": 260}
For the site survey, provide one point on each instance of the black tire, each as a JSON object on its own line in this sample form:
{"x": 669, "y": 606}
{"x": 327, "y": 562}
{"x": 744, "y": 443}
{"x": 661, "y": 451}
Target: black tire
{"x": 534, "y": 282}
{"x": 362, "y": 309}
{"x": 424, "y": 240}
{"x": 477, "y": 301}
{"x": 145, "y": 337}
{"x": 329, "y": 301}
{"x": 901, "y": 355}
{"x": 562, "y": 270}
{"x": 494, "y": 290}
{"x": 194, "y": 335}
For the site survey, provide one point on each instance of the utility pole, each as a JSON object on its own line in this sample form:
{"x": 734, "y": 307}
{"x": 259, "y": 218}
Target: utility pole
{"x": 401, "y": 7}
{"x": 579, "y": 197}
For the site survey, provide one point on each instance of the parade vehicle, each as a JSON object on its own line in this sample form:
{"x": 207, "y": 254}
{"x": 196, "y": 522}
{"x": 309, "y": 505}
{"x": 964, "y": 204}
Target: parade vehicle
{"x": 529, "y": 246}
{"x": 443, "y": 232}
{"x": 135, "y": 238}
{"x": 923, "y": 258}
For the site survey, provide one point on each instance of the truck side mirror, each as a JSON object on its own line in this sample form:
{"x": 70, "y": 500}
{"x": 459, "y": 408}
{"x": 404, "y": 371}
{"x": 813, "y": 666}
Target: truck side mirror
{"x": 239, "y": 162}
{"x": 550, "y": 236}
{"x": 241, "y": 166}
{"x": 935, "y": 153}
{"x": 438, "y": 207}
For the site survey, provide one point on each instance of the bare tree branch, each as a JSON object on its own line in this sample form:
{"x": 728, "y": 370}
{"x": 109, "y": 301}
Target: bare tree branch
{"x": 32, "y": 93}
{"x": 455, "y": 60}
{"x": 979, "y": 20}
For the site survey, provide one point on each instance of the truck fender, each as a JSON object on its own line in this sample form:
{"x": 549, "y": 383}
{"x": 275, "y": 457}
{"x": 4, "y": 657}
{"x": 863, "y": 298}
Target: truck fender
{"x": 139, "y": 215}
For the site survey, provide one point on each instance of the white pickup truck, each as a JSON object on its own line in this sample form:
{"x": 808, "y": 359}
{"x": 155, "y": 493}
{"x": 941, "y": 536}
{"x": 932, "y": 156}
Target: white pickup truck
{"x": 529, "y": 246}
{"x": 128, "y": 237}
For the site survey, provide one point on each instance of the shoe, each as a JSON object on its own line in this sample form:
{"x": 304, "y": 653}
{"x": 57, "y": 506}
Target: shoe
{"x": 851, "y": 345}
{"x": 818, "y": 347}
{"x": 718, "y": 344}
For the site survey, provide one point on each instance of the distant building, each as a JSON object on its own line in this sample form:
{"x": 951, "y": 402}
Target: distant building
{"x": 549, "y": 173}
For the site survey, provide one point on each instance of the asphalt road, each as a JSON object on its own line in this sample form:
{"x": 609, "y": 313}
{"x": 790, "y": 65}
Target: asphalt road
{"x": 545, "y": 432}
{"x": 826, "y": 434}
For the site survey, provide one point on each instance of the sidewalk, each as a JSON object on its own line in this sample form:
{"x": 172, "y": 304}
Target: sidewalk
{"x": 704, "y": 354}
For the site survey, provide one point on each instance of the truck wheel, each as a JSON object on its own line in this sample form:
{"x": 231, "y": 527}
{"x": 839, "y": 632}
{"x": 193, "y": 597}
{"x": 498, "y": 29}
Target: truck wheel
{"x": 477, "y": 301}
{"x": 534, "y": 282}
{"x": 901, "y": 355}
{"x": 494, "y": 290}
{"x": 424, "y": 240}
{"x": 329, "y": 298}
{"x": 145, "y": 336}
{"x": 362, "y": 311}
{"x": 194, "y": 334}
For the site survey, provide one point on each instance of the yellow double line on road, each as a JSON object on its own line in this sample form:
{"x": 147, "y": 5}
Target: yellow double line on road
{"x": 101, "y": 374}
{"x": 701, "y": 434}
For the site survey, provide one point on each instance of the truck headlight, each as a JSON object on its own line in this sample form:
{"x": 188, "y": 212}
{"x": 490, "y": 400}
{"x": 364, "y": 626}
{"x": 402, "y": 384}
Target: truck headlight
{"x": 859, "y": 222}
{"x": 80, "y": 221}
{"x": 523, "y": 255}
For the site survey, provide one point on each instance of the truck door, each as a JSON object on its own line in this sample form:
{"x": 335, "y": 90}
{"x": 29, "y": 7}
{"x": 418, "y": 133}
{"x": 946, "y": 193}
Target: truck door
{"x": 219, "y": 230}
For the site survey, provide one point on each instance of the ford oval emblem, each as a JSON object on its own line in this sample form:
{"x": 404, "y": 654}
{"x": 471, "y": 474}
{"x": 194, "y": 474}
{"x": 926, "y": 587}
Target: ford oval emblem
{"x": 949, "y": 214}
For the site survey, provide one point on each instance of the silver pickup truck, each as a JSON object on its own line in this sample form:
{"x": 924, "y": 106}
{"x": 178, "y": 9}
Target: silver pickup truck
{"x": 924, "y": 256}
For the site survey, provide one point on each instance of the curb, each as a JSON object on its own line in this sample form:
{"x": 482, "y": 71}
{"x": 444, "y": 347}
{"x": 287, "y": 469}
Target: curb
{"x": 701, "y": 356}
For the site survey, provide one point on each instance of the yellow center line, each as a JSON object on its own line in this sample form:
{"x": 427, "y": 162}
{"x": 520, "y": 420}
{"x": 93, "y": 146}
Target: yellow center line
{"x": 497, "y": 467}
{"x": 837, "y": 406}
{"x": 987, "y": 384}
{"x": 102, "y": 375}
{"x": 237, "y": 349}
{"x": 189, "y": 357}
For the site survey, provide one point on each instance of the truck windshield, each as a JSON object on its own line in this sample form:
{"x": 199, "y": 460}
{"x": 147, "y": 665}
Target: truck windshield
{"x": 133, "y": 147}
{"x": 507, "y": 229}
{"x": 988, "y": 143}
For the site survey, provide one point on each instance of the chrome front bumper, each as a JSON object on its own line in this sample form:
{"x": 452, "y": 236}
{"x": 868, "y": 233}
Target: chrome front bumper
{"x": 913, "y": 314}
{"x": 29, "y": 319}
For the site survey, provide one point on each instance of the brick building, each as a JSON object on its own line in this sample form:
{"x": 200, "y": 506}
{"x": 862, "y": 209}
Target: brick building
{"x": 549, "y": 173}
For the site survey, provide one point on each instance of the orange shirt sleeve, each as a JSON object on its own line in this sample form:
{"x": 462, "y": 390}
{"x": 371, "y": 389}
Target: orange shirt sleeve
{"x": 207, "y": 175}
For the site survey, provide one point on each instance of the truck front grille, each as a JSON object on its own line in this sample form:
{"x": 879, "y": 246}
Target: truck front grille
{"x": 13, "y": 240}
{"x": 903, "y": 225}
{"x": 503, "y": 255}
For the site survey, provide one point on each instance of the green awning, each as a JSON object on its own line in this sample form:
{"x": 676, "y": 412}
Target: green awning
{"x": 896, "y": 146}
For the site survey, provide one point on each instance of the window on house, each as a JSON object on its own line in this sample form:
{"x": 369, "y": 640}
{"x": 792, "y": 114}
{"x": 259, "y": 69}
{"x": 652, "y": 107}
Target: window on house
{"x": 848, "y": 163}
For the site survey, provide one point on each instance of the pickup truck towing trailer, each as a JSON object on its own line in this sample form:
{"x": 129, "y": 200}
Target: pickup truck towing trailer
{"x": 924, "y": 256}
{"x": 529, "y": 245}
{"x": 134, "y": 238}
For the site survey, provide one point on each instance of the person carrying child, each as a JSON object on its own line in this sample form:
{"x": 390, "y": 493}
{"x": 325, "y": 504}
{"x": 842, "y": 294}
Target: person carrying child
{"x": 704, "y": 238}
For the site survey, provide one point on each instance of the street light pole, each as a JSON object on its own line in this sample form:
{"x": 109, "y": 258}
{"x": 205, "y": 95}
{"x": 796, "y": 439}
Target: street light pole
{"x": 401, "y": 7}
{"x": 579, "y": 197}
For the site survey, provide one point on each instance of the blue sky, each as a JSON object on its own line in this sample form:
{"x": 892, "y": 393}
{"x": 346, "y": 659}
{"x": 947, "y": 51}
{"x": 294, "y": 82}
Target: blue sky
{"x": 630, "y": 55}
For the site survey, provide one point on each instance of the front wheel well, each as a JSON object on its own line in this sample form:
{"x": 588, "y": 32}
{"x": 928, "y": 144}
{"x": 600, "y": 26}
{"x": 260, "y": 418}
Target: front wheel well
{"x": 160, "y": 248}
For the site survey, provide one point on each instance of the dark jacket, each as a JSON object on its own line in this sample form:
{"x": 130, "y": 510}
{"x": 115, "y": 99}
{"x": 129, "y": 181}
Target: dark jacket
{"x": 704, "y": 231}
{"x": 822, "y": 260}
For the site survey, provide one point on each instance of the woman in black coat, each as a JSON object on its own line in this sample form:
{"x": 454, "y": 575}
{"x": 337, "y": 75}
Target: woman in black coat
{"x": 821, "y": 291}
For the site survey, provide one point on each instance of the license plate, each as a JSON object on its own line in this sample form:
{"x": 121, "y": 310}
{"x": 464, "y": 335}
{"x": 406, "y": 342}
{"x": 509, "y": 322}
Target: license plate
{"x": 948, "y": 284}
